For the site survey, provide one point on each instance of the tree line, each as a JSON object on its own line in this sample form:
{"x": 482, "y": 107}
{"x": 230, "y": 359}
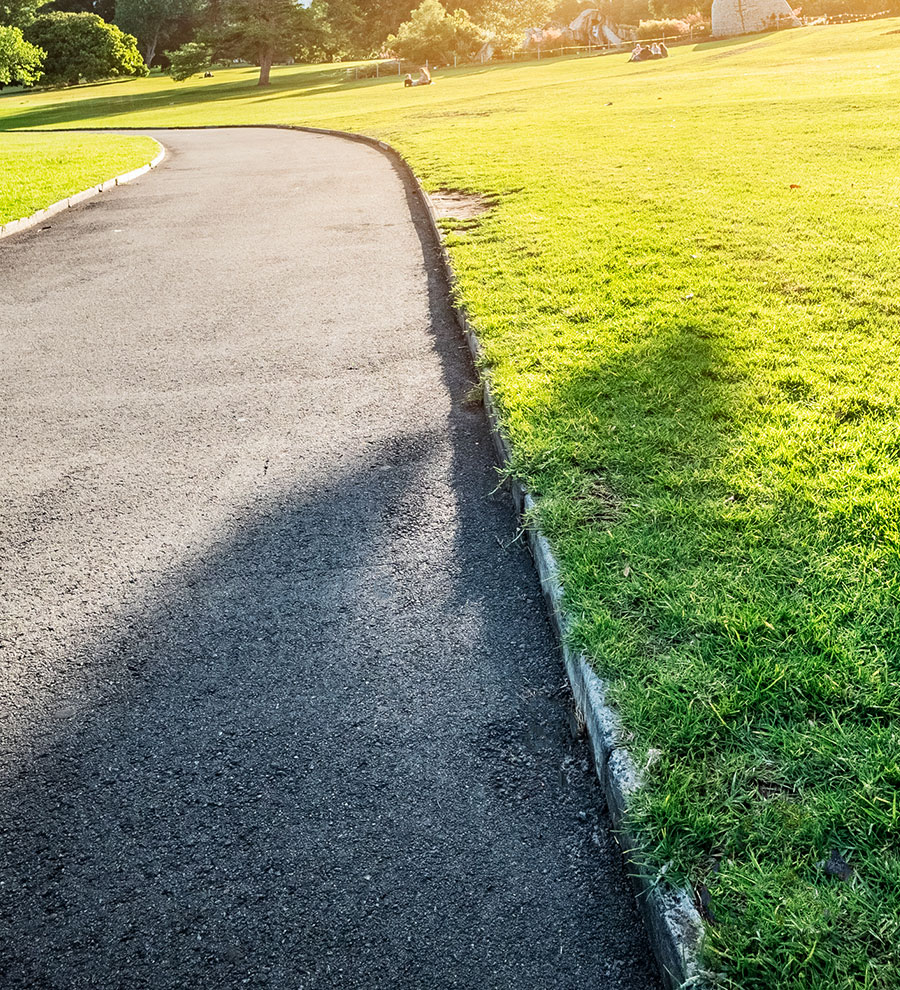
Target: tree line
{"x": 68, "y": 41}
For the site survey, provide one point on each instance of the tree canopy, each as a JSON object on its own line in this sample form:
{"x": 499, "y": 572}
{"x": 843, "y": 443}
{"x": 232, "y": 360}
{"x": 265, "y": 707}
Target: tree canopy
{"x": 260, "y": 31}
{"x": 18, "y": 13}
{"x": 154, "y": 22}
{"x": 84, "y": 46}
{"x": 105, "y": 8}
{"x": 431, "y": 34}
{"x": 20, "y": 61}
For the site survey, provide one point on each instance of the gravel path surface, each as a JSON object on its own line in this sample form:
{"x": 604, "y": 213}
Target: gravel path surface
{"x": 280, "y": 704}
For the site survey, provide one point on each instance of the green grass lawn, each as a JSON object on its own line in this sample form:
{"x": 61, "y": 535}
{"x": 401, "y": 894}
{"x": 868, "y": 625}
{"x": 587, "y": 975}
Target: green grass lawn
{"x": 39, "y": 169}
{"x": 699, "y": 369}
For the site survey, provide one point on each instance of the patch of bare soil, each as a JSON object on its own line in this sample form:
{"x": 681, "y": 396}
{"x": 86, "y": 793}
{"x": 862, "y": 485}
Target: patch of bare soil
{"x": 456, "y": 205}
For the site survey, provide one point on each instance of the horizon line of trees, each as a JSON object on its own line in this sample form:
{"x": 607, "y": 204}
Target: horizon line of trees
{"x": 67, "y": 41}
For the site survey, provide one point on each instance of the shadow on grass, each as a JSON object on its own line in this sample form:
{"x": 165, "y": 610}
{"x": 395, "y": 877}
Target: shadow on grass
{"x": 663, "y": 401}
{"x": 83, "y": 111}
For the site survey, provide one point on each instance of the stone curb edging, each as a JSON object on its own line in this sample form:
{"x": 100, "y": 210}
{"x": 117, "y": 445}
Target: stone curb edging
{"x": 670, "y": 916}
{"x": 14, "y": 226}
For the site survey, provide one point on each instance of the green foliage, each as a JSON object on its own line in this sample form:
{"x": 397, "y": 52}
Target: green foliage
{"x": 18, "y": 13}
{"x": 506, "y": 21}
{"x": 84, "y": 46}
{"x": 153, "y": 22}
{"x": 190, "y": 59}
{"x": 433, "y": 35}
{"x": 103, "y": 8}
{"x": 342, "y": 31}
{"x": 261, "y": 31}
{"x": 20, "y": 61}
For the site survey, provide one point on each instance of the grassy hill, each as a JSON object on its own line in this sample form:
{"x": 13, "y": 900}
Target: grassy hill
{"x": 688, "y": 296}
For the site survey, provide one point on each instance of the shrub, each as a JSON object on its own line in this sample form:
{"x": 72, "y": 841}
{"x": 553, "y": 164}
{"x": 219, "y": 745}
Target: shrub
{"x": 84, "y": 46}
{"x": 668, "y": 27}
{"x": 20, "y": 61}
{"x": 189, "y": 60}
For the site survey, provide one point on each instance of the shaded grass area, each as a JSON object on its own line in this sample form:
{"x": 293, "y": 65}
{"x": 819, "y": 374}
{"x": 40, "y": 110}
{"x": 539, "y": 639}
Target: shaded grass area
{"x": 39, "y": 169}
{"x": 698, "y": 368}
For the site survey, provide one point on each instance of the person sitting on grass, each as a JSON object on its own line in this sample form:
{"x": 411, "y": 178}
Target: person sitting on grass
{"x": 641, "y": 54}
{"x": 423, "y": 80}
{"x": 663, "y": 51}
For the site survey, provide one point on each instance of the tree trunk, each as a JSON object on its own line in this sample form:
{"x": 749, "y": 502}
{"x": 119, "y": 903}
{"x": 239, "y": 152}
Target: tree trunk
{"x": 265, "y": 65}
{"x": 150, "y": 54}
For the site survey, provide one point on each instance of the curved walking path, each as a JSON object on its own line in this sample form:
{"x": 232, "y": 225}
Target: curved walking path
{"x": 280, "y": 705}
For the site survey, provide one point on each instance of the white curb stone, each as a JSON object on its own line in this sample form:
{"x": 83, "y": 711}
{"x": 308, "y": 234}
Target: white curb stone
{"x": 15, "y": 226}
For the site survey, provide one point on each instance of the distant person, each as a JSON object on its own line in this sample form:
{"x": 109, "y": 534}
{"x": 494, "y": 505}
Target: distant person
{"x": 636, "y": 52}
{"x": 654, "y": 51}
{"x": 423, "y": 80}
{"x": 663, "y": 51}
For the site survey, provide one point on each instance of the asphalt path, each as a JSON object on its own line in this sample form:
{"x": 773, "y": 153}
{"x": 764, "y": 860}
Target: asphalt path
{"x": 280, "y": 704}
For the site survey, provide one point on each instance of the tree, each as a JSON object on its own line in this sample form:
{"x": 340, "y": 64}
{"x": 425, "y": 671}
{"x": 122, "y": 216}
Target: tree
{"x": 153, "y": 22}
{"x": 20, "y": 62}
{"x": 84, "y": 46}
{"x": 18, "y": 13}
{"x": 433, "y": 35}
{"x": 506, "y": 21}
{"x": 188, "y": 60}
{"x": 359, "y": 27}
{"x": 339, "y": 31}
{"x": 260, "y": 31}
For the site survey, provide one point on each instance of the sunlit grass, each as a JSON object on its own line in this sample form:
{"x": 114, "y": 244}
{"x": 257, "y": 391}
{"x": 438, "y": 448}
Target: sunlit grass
{"x": 688, "y": 298}
{"x": 39, "y": 169}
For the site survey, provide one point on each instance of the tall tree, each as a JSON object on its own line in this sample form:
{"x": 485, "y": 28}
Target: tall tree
{"x": 431, "y": 34}
{"x": 261, "y": 31}
{"x": 508, "y": 20}
{"x": 368, "y": 22}
{"x": 344, "y": 30}
{"x": 154, "y": 22}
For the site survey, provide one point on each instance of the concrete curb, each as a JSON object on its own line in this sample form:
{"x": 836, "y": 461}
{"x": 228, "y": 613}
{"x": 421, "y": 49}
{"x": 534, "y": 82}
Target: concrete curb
{"x": 673, "y": 923}
{"x": 15, "y": 226}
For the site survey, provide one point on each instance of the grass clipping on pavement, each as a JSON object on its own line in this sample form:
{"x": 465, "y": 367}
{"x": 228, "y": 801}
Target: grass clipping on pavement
{"x": 688, "y": 295}
{"x": 37, "y": 170}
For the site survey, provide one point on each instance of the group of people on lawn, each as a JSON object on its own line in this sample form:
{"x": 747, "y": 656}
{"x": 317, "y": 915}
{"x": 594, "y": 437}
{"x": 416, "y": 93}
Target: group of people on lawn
{"x": 642, "y": 53}
{"x": 639, "y": 53}
{"x": 423, "y": 80}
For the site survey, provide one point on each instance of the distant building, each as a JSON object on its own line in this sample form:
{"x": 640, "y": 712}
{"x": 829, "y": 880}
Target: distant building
{"x": 731, "y": 17}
